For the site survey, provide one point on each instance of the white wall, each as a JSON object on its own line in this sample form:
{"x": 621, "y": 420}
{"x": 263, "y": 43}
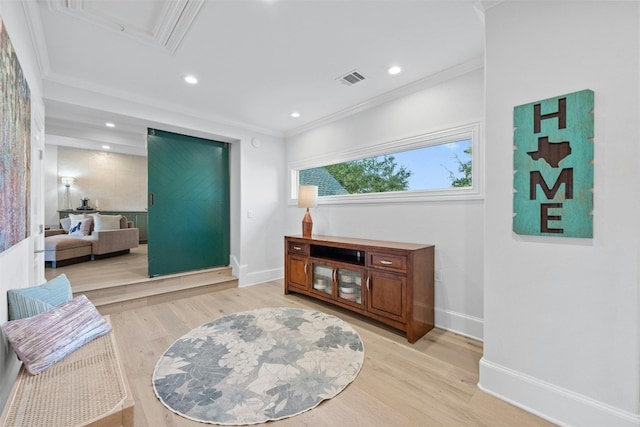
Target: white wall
{"x": 111, "y": 181}
{"x": 561, "y": 315}
{"x": 262, "y": 207}
{"x": 260, "y": 169}
{"x": 52, "y": 190}
{"x": 248, "y": 264}
{"x": 20, "y": 265}
{"x": 455, "y": 227}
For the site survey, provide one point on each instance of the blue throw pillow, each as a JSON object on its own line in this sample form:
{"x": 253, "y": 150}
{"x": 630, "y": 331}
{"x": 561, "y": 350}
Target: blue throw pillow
{"x": 27, "y": 302}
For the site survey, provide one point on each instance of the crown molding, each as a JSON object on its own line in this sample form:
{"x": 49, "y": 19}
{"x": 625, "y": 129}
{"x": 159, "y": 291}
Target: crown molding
{"x": 481, "y": 7}
{"x": 84, "y": 143}
{"x": 38, "y": 40}
{"x": 166, "y": 33}
{"x": 74, "y": 89}
{"x": 176, "y": 23}
{"x": 422, "y": 84}
{"x": 189, "y": 10}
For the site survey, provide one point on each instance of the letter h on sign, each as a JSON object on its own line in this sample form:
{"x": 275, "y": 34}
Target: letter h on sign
{"x": 553, "y": 166}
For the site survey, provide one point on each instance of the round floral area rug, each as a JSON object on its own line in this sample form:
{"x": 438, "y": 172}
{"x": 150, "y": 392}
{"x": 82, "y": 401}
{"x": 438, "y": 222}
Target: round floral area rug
{"x": 259, "y": 365}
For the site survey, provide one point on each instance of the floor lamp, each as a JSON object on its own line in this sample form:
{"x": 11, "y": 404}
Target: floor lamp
{"x": 66, "y": 201}
{"x": 307, "y": 198}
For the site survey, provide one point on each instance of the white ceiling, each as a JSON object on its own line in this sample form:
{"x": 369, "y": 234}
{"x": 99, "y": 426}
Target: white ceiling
{"x": 257, "y": 61}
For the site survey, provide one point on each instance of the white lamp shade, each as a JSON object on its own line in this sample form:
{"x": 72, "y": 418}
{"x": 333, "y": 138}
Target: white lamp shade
{"x": 67, "y": 180}
{"x": 307, "y": 196}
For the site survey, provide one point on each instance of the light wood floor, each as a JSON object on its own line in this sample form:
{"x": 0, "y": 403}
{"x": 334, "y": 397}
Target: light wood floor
{"x": 430, "y": 383}
{"x": 127, "y": 268}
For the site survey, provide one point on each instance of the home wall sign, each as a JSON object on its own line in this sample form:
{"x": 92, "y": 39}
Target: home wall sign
{"x": 553, "y": 166}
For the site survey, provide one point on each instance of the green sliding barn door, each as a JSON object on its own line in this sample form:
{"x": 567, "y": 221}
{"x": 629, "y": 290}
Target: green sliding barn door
{"x": 188, "y": 203}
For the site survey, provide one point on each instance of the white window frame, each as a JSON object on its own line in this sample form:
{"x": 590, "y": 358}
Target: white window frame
{"x": 459, "y": 133}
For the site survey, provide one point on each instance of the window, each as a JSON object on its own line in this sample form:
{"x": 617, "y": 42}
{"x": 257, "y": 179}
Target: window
{"x": 441, "y": 165}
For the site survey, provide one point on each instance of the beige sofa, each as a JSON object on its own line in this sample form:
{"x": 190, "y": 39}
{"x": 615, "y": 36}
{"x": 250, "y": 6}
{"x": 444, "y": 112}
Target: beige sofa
{"x": 60, "y": 248}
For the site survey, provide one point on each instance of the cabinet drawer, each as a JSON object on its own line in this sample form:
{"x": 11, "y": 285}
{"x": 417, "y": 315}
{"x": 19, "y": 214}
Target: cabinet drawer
{"x": 388, "y": 262}
{"x": 298, "y": 248}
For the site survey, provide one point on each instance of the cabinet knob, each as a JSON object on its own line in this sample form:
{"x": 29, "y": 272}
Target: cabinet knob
{"x": 368, "y": 281}
{"x": 297, "y": 248}
{"x": 385, "y": 262}
{"x": 305, "y": 268}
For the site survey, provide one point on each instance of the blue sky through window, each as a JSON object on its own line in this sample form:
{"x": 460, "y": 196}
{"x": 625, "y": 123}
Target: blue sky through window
{"x": 430, "y": 166}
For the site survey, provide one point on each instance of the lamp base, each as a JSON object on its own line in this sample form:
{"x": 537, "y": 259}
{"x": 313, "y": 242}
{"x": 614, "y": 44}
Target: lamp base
{"x": 307, "y": 225}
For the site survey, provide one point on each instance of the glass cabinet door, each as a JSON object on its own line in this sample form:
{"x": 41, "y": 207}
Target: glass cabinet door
{"x": 322, "y": 278}
{"x": 349, "y": 285}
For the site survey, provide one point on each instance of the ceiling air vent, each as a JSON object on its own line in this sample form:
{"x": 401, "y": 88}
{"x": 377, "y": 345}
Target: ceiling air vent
{"x": 352, "y": 78}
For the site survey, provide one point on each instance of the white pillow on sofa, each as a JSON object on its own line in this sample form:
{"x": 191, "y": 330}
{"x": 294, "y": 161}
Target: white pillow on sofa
{"x": 77, "y": 217}
{"x": 71, "y": 219}
{"x": 80, "y": 228}
{"x": 106, "y": 222}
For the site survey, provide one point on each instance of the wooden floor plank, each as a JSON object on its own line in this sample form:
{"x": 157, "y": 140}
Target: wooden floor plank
{"x": 121, "y": 283}
{"x": 432, "y": 382}
{"x": 119, "y": 269}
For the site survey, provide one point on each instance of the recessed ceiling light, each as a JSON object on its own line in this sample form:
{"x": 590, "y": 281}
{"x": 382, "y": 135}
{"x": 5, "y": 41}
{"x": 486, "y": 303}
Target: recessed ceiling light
{"x": 110, "y": 125}
{"x": 295, "y": 114}
{"x": 394, "y": 70}
{"x": 191, "y": 79}
{"x": 106, "y": 147}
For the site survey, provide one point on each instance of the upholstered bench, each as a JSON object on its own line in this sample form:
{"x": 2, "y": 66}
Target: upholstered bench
{"x": 87, "y": 388}
{"x": 62, "y": 247}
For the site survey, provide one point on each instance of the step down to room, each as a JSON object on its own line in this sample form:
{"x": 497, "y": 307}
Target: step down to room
{"x": 153, "y": 290}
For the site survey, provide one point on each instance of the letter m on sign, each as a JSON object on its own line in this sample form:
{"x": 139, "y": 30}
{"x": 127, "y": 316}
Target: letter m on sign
{"x": 553, "y": 166}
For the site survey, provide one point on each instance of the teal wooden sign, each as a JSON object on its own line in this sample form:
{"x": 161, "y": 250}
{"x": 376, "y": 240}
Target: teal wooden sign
{"x": 553, "y": 166}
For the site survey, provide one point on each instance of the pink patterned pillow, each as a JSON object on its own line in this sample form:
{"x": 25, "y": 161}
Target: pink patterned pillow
{"x": 44, "y": 339}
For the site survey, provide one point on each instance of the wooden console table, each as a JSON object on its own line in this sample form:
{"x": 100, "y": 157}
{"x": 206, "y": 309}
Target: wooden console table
{"x": 390, "y": 282}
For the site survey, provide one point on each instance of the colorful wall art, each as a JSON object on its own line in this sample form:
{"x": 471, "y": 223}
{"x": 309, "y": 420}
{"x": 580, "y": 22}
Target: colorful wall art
{"x": 15, "y": 146}
{"x": 553, "y": 166}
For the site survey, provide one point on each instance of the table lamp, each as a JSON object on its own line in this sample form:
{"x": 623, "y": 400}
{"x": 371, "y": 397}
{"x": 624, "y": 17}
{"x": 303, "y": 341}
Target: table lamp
{"x": 307, "y": 198}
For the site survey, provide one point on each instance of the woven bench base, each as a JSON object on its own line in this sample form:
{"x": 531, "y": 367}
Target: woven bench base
{"x": 88, "y": 387}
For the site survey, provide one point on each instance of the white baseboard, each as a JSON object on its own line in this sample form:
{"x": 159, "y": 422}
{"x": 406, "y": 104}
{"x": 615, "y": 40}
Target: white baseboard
{"x": 255, "y": 277}
{"x": 553, "y": 403}
{"x": 460, "y": 323}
